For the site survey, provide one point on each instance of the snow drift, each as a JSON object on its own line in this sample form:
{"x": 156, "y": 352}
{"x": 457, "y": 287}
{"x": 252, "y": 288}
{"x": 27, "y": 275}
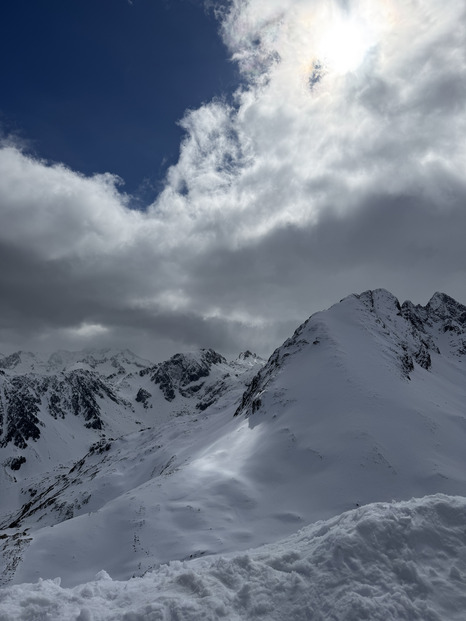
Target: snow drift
{"x": 388, "y": 561}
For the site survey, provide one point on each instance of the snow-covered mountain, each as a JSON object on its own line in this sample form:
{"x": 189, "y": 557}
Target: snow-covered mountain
{"x": 56, "y": 410}
{"x": 370, "y": 396}
{"x": 364, "y": 403}
{"x": 53, "y": 408}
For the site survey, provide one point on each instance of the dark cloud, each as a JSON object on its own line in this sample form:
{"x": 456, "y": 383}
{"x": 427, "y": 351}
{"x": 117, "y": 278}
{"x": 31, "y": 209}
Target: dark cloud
{"x": 278, "y": 206}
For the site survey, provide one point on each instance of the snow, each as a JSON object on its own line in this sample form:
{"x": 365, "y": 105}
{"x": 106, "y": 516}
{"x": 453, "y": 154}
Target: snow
{"x": 106, "y": 361}
{"x": 119, "y": 491}
{"x": 386, "y": 561}
{"x": 65, "y": 439}
{"x": 361, "y": 405}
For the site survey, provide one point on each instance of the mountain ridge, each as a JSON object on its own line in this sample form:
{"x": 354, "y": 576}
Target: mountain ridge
{"x": 416, "y": 343}
{"x": 107, "y": 392}
{"x": 363, "y": 403}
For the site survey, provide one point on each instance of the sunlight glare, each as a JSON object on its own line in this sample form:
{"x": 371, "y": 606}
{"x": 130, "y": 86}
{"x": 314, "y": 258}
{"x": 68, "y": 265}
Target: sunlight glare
{"x": 343, "y": 47}
{"x": 228, "y": 455}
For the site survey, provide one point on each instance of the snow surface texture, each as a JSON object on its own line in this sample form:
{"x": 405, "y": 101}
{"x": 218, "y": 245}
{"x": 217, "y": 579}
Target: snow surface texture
{"x": 363, "y": 404}
{"x": 380, "y": 562}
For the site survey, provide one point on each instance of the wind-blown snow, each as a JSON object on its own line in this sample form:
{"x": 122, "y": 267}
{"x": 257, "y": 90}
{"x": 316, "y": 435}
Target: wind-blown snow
{"x": 383, "y": 562}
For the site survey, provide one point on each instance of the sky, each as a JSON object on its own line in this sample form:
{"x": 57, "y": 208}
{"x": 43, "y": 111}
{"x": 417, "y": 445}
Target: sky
{"x": 101, "y": 85}
{"x": 177, "y": 174}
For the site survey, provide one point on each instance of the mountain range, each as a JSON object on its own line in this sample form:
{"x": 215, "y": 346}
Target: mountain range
{"x": 110, "y": 462}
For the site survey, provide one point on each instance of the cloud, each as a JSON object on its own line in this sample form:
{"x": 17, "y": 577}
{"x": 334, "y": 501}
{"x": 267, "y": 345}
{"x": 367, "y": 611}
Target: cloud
{"x": 322, "y": 177}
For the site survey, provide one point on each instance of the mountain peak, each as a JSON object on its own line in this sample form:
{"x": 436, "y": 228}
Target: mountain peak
{"x": 180, "y": 373}
{"x": 380, "y": 300}
{"x": 446, "y": 307}
{"x": 370, "y": 325}
{"x": 244, "y": 355}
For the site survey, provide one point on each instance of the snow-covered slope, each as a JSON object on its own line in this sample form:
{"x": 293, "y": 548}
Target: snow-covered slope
{"x": 67, "y": 440}
{"x": 364, "y": 403}
{"x": 383, "y": 562}
{"x": 53, "y": 408}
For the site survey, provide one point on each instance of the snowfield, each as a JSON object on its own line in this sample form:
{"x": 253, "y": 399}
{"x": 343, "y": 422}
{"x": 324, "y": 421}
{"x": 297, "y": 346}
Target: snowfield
{"x": 386, "y": 561}
{"x": 244, "y": 489}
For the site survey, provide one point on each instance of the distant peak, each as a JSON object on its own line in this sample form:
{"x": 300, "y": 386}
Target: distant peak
{"x": 379, "y": 295}
{"x": 377, "y": 299}
{"x": 209, "y": 356}
{"x": 246, "y": 354}
{"x": 441, "y": 299}
{"x": 11, "y": 361}
{"x": 212, "y": 357}
{"x": 446, "y": 307}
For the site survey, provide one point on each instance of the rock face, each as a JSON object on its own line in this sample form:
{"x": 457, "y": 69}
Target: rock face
{"x": 20, "y": 409}
{"x": 184, "y": 374}
{"x": 28, "y": 400}
{"x": 76, "y": 393}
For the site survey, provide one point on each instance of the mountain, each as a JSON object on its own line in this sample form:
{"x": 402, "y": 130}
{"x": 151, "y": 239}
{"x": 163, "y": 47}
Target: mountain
{"x": 370, "y": 396}
{"x": 56, "y": 410}
{"x": 363, "y": 404}
{"x": 53, "y": 408}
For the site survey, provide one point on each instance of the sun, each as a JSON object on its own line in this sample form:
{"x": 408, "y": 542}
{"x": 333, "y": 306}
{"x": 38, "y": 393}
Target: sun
{"x": 343, "y": 46}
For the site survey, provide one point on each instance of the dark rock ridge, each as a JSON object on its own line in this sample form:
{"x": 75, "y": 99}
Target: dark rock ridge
{"x": 416, "y": 332}
{"x": 183, "y": 373}
{"x": 21, "y": 406}
{"x": 24, "y": 397}
{"x": 34, "y": 389}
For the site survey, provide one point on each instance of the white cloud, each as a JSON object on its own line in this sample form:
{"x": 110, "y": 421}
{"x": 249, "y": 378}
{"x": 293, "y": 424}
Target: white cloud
{"x": 339, "y": 167}
{"x": 58, "y": 213}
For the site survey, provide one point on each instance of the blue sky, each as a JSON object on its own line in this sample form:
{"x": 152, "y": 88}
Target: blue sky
{"x": 320, "y": 150}
{"x": 100, "y": 84}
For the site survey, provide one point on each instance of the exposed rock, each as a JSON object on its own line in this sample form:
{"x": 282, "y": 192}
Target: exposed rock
{"x": 143, "y": 396}
{"x": 178, "y": 374}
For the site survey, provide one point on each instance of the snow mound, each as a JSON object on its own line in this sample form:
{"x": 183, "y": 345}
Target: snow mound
{"x": 386, "y": 561}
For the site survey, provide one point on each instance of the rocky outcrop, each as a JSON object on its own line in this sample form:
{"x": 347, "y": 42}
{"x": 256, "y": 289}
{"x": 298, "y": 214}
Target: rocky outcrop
{"x": 183, "y": 373}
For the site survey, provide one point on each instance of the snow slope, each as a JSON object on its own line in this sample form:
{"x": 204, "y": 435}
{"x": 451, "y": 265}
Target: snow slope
{"x": 384, "y": 562}
{"x": 364, "y": 403}
{"x": 96, "y": 467}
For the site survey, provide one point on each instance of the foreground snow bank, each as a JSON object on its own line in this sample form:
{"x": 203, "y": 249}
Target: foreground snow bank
{"x": 383, "y": 561}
